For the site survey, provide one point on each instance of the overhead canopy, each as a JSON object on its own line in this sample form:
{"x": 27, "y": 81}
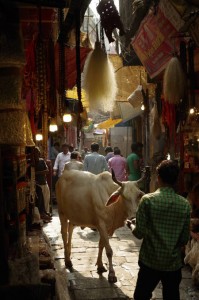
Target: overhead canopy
{"x": 108, "y": 123}
{"x": 128, "y": 78}
{"x": 73, "y": 94}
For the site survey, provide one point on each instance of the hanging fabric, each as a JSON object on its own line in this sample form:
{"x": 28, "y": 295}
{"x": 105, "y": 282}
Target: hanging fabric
{"x": 61, "y": 87}
{"x": 110, "y": 18}
{"x": 174, "y": 83}
{"x": 42, "y": 104}
{"x": 78, "y": 80}
{"x": 52, "y": 99}
{"x": 191, "y": 74}
{"x": 78, "y": 62}
{"x": 169, "y": 120}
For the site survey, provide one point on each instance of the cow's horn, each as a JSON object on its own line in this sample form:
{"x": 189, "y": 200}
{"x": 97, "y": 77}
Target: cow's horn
{"x": 146, "y": 174}
{"x": 114, "y": 178}
{"x": 141, "y": 179}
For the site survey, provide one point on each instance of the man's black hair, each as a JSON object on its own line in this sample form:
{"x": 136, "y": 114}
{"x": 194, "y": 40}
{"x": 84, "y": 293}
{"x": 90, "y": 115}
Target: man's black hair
{"x": 168, "y": 171}
{"x": 117, "y": 151}
{"x": 108, "y": 149}
{"x": 65, "y": 145}
{"x": 74, "y": 155}
{"x": 95, "y": 147}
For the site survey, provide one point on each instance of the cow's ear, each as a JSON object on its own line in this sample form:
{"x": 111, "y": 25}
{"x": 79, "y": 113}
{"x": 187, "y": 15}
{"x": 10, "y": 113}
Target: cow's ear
{"x": 113, "y": 198}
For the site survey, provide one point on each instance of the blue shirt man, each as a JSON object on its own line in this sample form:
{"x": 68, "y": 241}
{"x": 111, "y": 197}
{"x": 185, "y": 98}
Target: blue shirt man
{"x": 95, "y": 162}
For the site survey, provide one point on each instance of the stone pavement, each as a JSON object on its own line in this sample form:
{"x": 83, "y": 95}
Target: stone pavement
{"x": 84, "y": 283}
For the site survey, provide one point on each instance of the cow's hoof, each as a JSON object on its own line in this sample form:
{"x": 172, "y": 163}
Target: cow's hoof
{"x": 101, "y": 270}
{"x": 68, "y": 265}
{"x": 112, "y": 278}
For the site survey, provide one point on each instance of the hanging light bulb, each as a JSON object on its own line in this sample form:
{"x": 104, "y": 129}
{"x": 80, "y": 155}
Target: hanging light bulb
{"x": 67, "y": 118}
{"x": 168, "y": 156}
{"x": 191, "y": 111}
{"x": 142, "y": 107}
{"x": 39, "y": 137}
{"x": 53, "y": 125}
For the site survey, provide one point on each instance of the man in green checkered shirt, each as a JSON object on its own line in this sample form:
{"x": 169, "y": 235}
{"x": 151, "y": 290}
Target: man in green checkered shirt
{"x": 162, "y": 221}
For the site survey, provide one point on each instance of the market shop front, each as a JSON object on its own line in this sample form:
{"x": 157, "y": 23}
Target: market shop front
{"x": 166, "y": 128}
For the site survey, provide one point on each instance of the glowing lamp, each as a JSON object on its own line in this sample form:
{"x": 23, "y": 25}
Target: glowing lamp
{"x": 168, "y": 156}
{"x": 67, "y": 118}
{"x": 53, "y": 126}
{"x": 39, "y": 137}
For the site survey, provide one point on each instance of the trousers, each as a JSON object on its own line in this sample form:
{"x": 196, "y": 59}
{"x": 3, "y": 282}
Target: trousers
{"x": 149, "y": 278}
{"x": 42, "y": 198}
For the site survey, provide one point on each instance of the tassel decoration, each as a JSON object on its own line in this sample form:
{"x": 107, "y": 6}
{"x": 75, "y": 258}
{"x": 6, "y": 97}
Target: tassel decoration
{"x": 99, "y": 81}
{"x": 174, "y": 81}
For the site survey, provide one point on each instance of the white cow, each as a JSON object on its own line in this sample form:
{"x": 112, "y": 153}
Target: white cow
{"x": 95, "y": 201}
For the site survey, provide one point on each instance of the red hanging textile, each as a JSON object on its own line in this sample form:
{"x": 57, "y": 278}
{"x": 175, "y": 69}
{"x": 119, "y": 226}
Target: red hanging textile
{"x": 29, "y": 71}
{"x": 70, "y": 68}
{"x": 169, "y": 119}
{"x": 51, "y": 89}
{"x": 29, "y": 84}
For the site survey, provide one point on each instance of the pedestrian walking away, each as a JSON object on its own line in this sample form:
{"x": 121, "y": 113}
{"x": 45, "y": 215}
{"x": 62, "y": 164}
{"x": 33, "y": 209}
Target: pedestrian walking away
{"x": 119, "y": 165}
{"x": 85, "y": 152}
{"x": 54, "y": 151}
{"x": 109, "y": 153}
{"x": 74, "y": 163}
{"x": 133, "y": 164}
{"x": 163, "y": 222}
{"x": 95, "y": 162}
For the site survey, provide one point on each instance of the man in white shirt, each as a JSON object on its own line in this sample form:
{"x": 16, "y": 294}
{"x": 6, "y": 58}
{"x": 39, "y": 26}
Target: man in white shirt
{"x": 61, "y": 159}
{"x": 95, "y": 162}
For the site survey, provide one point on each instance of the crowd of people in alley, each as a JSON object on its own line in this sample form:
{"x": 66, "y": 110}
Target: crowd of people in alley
{"x": 163, "y": 217}
{"x": 125, "y": 168}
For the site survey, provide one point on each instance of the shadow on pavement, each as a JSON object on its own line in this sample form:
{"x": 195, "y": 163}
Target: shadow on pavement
{"x": 83, "y": 287}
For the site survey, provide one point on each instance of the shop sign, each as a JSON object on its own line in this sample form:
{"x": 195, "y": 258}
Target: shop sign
{"x": 158, "y": 38}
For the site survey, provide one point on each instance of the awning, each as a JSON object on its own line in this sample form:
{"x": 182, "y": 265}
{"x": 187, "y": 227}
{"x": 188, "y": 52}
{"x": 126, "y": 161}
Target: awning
{"x": 99, "y": 131}
{"x": 108, "y": 123}
{"x": 73, "y": 94}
